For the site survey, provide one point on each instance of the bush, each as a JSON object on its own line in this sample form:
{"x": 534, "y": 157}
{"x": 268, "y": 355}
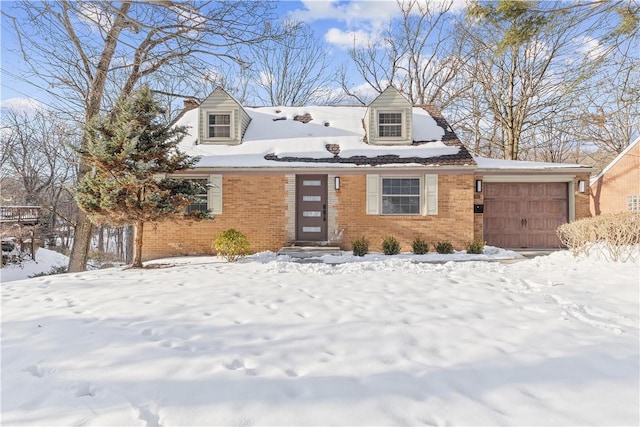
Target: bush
{"x": 390, "y": 246}
{"x": 476, "y": 247}
{"x": 231, "y": 245}
{"x": 444, "y": 247}
{"x": 360, "y": 246}
{"x": 617, "y": 235}
{"x": 419, "y": 246}
{"x": 54, "y": 270}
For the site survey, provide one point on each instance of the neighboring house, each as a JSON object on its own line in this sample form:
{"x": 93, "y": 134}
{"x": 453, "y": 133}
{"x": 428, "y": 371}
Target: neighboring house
{"x": 329, "y": 175}
{"x": 617, "y": 187}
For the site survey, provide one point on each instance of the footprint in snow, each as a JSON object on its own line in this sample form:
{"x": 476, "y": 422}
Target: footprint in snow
{"x": 35, "y": 370}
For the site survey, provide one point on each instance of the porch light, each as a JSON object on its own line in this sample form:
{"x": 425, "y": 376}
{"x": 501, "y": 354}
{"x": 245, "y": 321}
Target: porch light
{"x": 478, "y": 185}
{"x": 582, "y": 186}
{"x": 336, "y": 182}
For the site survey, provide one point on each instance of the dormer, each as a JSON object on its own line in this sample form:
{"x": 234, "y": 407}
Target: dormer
{"x": 387, "y": 120}
{"x": 222, "y": 119}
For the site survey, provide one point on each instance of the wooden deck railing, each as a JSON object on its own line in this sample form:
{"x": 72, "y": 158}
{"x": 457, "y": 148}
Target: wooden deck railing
{"x": 27, "y": 215}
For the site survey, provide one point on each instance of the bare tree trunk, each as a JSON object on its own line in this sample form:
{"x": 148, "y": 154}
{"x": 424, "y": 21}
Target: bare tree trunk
{"x": 81, "y": 244}
{"x": 137, "y": 252}
{"x": 101, "y": 231}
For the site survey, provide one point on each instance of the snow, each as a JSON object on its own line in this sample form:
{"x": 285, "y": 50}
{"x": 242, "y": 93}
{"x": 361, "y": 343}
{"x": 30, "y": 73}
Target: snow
{"x": 266, "y": 341}
{"x": 46, "y": 260}
{"x": 290, "y": 138}
{"x": 486, "y": 163}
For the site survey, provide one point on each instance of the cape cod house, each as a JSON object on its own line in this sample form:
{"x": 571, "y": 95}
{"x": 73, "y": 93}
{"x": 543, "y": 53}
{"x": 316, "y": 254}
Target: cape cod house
{"x": 329, "y": 175}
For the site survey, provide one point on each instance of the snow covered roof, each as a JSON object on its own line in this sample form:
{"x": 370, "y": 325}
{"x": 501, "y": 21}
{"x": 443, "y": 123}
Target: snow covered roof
{"x": 334, "y": 137}
{"x": 485, "y": 163}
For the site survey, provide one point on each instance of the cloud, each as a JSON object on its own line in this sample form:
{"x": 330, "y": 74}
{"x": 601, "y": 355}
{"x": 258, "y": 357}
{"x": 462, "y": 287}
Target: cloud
{"x": 353, "y": 13}
{"x": 348, "y": 39}
{"x": 22, "y": 105}
{"x": 589, "y": 47}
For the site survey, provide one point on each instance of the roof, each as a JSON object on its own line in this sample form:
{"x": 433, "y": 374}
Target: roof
{"x": 494, "y": 164}
{"x": 334, "y": 137}
{"x": 616, "y": 160}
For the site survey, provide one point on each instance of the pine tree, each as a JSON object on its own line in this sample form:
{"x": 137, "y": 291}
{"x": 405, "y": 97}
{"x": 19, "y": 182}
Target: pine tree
{"x": 126, "y": 151}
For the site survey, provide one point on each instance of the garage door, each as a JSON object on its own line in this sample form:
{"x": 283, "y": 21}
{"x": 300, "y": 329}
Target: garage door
{"x": 524, "y": 215}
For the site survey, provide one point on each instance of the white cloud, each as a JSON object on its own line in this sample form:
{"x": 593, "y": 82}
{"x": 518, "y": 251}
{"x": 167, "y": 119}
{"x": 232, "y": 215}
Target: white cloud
{"x": 589, "y": 47}
{"x": 348, "y": 39}
{"x": 353, "y": 12}
{"x": 22, "y": 105}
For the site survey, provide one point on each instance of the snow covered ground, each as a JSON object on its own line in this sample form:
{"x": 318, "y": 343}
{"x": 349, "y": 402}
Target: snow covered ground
{"x": 267, "y": 341}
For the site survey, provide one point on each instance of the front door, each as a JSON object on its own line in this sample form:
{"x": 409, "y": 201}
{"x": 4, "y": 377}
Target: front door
{"x": 311, "y": 208}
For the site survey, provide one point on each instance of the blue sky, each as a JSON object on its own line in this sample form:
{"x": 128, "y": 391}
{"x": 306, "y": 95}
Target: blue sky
{"x": 338, "y": 22}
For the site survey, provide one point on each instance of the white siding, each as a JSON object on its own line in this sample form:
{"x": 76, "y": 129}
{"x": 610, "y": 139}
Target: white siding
{"x": 221, "y": 101}
{"x": 390, "y": 100}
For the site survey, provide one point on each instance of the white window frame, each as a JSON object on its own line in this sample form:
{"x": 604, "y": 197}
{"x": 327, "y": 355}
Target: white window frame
{"x": 232, "y": 126}
{"x": 428, "y": 194}
{"x": 633, "y": 203}
{"x": 214, "y": 191}
{"x": 402, "y": 124}
{"x": 419, "y": 195}
{"x": 200, "y": 195}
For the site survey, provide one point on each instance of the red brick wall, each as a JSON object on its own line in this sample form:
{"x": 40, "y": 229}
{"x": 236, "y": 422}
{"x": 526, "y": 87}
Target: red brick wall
{"x": 454, "y": 221}
{"x": 252, "y": 204}
{"x": 609, "y": 194}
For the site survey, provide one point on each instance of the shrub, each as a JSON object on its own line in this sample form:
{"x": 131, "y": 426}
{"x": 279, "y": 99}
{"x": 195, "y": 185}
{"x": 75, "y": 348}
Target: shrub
{"x": 617, "y": 235}
{"x": 360, "y": 246}
{"x": 419, "y": 246}
{"x": 231, "y": 245}
{"x": 54, "y": 270}
{"x": 390, "y": 246}
{"x": 476, "y": 247}
{"x": 444, "y": 247}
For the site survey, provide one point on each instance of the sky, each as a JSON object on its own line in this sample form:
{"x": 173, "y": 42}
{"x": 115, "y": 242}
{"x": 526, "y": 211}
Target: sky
{"x": 337, "y": 22}
{"x": 354, "y": 341}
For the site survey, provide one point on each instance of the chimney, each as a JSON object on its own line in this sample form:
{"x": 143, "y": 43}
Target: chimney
{"x": 190, "y": 104}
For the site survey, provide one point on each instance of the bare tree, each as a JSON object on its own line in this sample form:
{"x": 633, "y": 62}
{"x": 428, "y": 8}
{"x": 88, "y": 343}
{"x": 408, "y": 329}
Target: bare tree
{"x": 293, "y": 69}
{"x": 77, "y": 46}
{"x": 414, "y": 55}
{"x": 521, "y": 61}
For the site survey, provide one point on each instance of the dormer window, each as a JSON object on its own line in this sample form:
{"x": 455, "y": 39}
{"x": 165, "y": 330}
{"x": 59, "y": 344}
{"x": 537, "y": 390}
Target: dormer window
{"x": 390, "y": 124}
{"x": 219, "y": 124}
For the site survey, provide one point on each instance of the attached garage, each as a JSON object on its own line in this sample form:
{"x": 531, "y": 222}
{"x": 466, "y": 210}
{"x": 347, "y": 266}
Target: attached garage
{"x": 525, "y": 214}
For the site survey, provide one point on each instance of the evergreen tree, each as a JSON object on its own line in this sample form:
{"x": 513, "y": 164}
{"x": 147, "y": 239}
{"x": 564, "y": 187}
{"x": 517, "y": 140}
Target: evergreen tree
{"x": 126, "y": 152}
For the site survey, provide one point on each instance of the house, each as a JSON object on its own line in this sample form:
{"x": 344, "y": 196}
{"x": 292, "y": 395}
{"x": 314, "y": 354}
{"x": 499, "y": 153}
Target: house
{"x": 329, "y": 175}
{"x": 617, "y": 187}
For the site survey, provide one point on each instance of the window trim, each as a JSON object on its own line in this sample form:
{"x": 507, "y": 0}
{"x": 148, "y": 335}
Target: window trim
{"x": 232, "y": 126}
{"x": 206, "y": 193}
{"x": 214, "y": 190}
{"x": 633, "y": 203}
{"x": 402, "y": 124}
{"x": 420, "y": 195}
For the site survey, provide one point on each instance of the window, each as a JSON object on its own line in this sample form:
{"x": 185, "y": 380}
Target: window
{"x": 633, "y": 203}
{"x": 201, "y": 204}
{"x": 219, "y": 125}
{"x": 401, "y": 196}
{"x": 390, "y": 125}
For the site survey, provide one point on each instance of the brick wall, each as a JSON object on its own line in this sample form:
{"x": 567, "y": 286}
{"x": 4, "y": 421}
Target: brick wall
{"x": 252, "y": 204}
{"x": 609, "y": 194}
{"x": 454, "y": 221}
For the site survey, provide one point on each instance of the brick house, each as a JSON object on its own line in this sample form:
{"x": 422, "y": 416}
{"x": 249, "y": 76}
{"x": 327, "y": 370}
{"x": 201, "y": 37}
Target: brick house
{"x": 329, "y": 175}
{"x": 617, "y": 187}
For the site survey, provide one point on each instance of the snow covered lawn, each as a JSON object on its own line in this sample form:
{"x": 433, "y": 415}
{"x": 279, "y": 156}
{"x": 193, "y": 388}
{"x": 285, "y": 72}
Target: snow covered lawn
{"x": 548, "y": 341}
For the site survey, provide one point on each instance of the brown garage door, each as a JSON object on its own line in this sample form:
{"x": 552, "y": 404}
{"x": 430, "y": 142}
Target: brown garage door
{"x": 524, "y": 215}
